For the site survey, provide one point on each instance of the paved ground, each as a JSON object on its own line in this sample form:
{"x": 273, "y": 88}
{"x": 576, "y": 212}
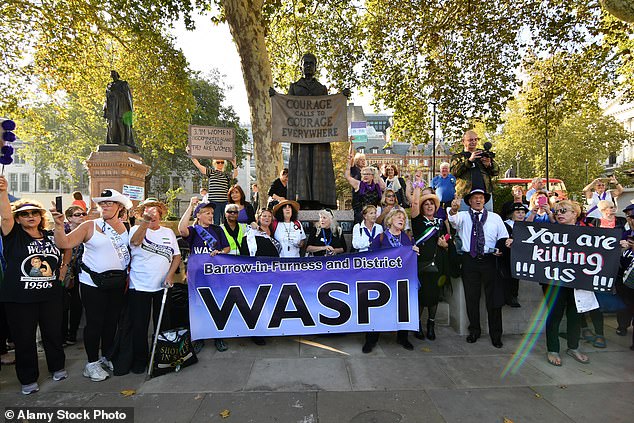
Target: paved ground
{"x": 446, "y": 380}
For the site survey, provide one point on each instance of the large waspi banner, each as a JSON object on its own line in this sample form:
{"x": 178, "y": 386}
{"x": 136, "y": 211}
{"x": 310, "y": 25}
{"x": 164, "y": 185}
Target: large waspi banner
{"x": 233, "y": 296}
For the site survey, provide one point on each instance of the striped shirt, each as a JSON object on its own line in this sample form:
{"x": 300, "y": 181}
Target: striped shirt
{"x": 218, "y": 185}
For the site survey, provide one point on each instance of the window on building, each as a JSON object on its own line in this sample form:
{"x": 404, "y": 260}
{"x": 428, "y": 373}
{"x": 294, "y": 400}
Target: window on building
{"x": 24, "y": 182}
{"x": 612, "y": 158}
{"x": 176, "y": 182}
{"x": 361, "y": 150}
{"x": 375, "y": 150}
{"x": 13, "y": 182}
{"x": 17, "y": 158}
{"x": 196, "y": 184}
{"x": 388, "y": 151}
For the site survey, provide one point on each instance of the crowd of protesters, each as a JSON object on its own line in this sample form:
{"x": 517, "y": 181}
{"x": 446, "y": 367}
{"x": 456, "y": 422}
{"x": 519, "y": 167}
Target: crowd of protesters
{"x": 116, "y": 274}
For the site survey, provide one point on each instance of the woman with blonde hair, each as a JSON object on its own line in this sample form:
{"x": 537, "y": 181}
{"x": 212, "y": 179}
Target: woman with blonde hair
{"x": 539, "y": 209}
{"x": 326, "y": 238}
{"x": 394, "y": 236}
{"x": 31, "y": 301}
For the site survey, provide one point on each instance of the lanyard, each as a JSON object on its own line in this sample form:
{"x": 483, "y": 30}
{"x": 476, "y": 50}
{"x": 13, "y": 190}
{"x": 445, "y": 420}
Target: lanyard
{"x": 327, "y": 242}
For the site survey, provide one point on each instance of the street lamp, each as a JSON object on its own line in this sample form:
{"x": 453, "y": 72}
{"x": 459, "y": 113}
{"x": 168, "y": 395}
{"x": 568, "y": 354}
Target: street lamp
{"x": 433, "y": 153}
{"x": 517, "y": 168}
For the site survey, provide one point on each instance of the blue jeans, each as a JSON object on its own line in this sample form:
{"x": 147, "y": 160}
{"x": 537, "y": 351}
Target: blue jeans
{"x": 219, "y": 212}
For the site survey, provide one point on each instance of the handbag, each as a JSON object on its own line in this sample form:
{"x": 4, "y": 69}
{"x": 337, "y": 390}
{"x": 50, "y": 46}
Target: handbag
{"x": 173, "y": 351}
{"x": 430, "y": 267}
{"x": 628, "y": 276}
{"x": 110, "y": 279}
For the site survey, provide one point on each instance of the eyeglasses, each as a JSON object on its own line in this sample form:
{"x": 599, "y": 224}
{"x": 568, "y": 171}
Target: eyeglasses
{"x": 367, "y": 174}
{"x": 79, "y": 214}
{"x": 561, "y": 211}
{"x": 220, "y": 162}
{"x": 29, "y": 213}
{"x": 107, "y": 203}
{"x": 390, "y": 196}
{"x": 231, "y": 212}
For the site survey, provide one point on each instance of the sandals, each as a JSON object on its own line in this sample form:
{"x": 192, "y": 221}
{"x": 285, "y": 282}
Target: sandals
{"x": 554, "y": 359}
{"x": 588, "y": 335}
{"x": 578, "y": 355}
{"x": 599, "y": 342}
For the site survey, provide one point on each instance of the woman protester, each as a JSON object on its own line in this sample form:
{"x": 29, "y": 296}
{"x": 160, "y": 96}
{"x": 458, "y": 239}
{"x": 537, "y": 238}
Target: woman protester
{"x": 30, "y": 301}
{"x": 236, "y": 196}
{"x": 511, "y": 285}
{"x": 358, "y": 163}
{"x": 389, "y": 202}
{"x": 363, "y": 233}
{"x": 234, "y": 230}
{"x": 203, "y": 237}
{"x": 394, "y": 236}
{"x": 103, "y": 276}
{"x": 287, "y": 230}
{"x": 396, "y": 184}
{"x": 596, "y": 191}
{"x": 366, "y": 191}
{"x": 278, "y": 190}
{"x": 326, "y": 239}
{"x": 561, "y": 299}
{"x": 608, "y": 219}
{"x": 73, "y": 308}
{"x": 431, "y": 235}
{"x": 260, "y": 242}
{"x": 540, "y": 211}
{"x": 155, "y": 258}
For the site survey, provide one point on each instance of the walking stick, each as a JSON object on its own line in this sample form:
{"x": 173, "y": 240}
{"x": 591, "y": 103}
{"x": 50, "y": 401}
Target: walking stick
{"x": 157, "y": 330}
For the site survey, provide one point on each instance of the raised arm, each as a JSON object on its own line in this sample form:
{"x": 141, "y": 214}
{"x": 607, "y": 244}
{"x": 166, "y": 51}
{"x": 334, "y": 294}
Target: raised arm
{"x": 618, "y": 188}
{"x": 587, "y": 190}
{"x": 196, "y": 163}
{"x": 352, "y": 181}
{"x": 80, "y": 234}
{"x": 183, "y": 224}
{"x": 7, "y": 221}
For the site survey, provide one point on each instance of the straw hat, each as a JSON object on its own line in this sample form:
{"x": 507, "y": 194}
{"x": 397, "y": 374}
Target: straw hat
{"x": 432, "y": 197}
{"x": 294, "y": 204}
{"x": 151, "y": 202}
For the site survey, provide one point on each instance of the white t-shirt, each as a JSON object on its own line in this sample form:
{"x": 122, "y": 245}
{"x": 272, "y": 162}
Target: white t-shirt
{"x": 152, "y": 259}
{"x": 593, "y": 210}
{"x": 289, "y": 236}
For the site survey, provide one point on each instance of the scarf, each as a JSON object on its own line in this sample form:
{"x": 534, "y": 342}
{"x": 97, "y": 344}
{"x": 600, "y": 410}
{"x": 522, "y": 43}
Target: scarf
{"x": 365, "y": 188}
{"x": 477, "y": 232}
{"x": 393, "y": 184}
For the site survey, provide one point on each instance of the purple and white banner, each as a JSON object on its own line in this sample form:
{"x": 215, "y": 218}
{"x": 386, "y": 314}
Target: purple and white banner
{"x": 234, "y": 296}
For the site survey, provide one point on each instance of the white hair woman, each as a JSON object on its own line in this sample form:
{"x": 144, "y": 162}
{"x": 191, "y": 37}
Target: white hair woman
{"x": 366, "y": 191}
{"x": 326, "y": 239}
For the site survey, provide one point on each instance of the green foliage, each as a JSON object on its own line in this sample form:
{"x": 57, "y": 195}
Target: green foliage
{"x": 171, "y": 196}
{"x": 582, "y": 135}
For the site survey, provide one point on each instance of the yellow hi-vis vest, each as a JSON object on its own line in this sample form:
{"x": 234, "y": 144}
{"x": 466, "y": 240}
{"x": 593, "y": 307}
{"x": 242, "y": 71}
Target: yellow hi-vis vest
{"x": 235, "y": 244}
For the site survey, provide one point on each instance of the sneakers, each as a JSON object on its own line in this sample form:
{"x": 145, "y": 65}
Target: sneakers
{"x": 95, "y": 372}
{"x": 31, "y": 388}
{"x": 106, "y": 364}
{"x": 60, "y": 375}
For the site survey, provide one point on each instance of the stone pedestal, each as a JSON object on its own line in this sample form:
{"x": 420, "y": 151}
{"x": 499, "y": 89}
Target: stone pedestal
{"x": 114, "y": 169}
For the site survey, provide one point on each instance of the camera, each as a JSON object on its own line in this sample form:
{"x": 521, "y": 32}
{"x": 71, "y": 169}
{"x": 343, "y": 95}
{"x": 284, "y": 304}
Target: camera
{"x": 487, "y": 151}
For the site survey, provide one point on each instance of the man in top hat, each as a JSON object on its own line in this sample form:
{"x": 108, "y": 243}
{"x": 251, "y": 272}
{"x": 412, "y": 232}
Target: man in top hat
{"x": 480, "y": 231}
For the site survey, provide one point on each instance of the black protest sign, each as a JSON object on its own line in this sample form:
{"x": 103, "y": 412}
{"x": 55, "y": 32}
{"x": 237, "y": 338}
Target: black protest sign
{"x": 579, "y": 257}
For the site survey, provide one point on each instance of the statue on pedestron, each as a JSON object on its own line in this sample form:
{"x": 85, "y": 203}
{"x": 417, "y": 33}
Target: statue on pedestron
{"x": 311, "y": 178}
{"x": 119, "y": 112}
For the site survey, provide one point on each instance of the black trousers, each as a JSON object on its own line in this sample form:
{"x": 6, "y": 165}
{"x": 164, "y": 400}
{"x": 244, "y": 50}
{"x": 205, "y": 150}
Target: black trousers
{"x": 511, "y": 288}
{"x": 141, "y": 304}
{"x": 23, "y": 319}
{"x": 373, "y": 337}
{"x": 477, "y": 273}
{"x": 73, "y": 310}
{"x": 5, "y": 335}
{"x": 103, "y": 307}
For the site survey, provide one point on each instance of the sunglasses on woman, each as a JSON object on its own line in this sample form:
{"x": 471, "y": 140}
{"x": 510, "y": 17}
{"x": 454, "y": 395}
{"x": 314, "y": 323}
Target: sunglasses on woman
{"x": 29, "y": 213}
{"x": 560, "y": 211}
{"x": 79, "y": 214}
